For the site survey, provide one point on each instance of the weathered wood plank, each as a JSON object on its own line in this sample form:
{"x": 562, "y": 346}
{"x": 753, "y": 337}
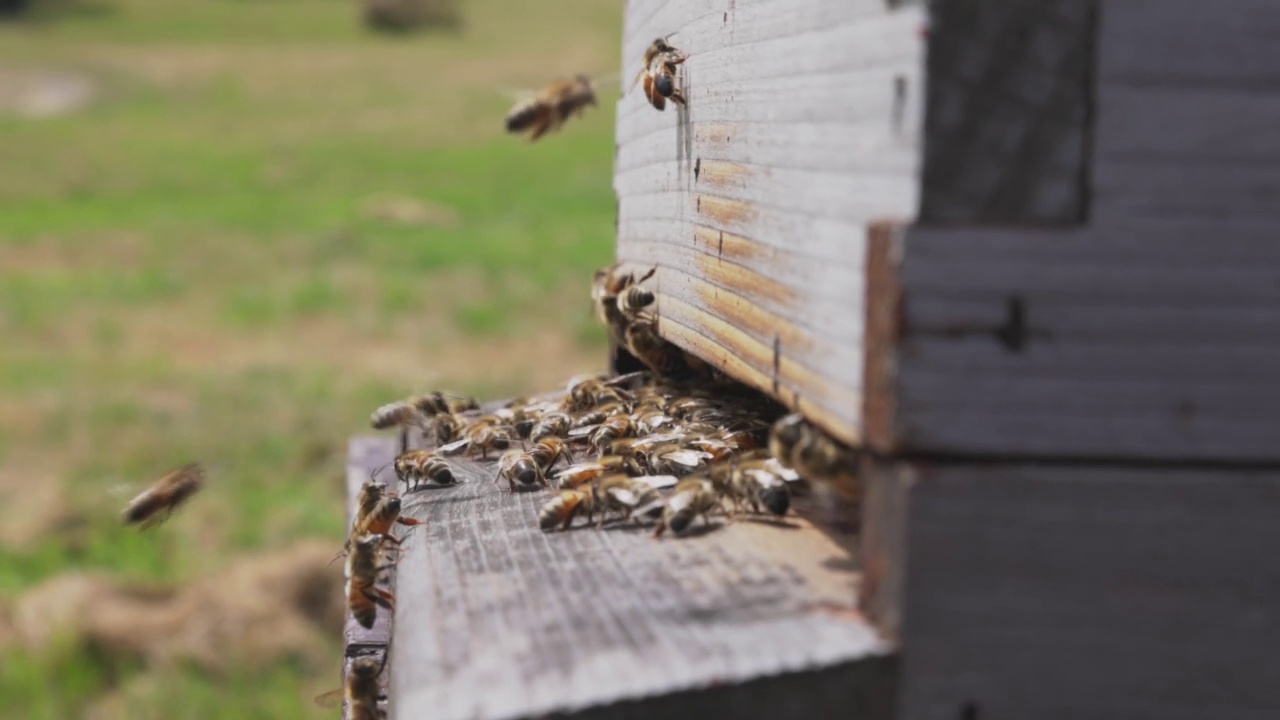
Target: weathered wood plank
{"x": 1009, "y": 103}
{"x": 801, "y": 127}
{"x": 496, "y": 619}
{"x": 1064, "y": 592}
{"x": 1188, "y": 43}
{"x": 1136, "y": 358}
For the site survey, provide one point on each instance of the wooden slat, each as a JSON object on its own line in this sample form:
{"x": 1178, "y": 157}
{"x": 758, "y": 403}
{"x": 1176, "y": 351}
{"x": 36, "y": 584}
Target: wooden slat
{"x": 1009, "y": 107}
{"x": 1155, "y": 344}
{"x": 801, "y": 128}
{"x": 496, "y": 619}
{"x": 1035, "y": 591}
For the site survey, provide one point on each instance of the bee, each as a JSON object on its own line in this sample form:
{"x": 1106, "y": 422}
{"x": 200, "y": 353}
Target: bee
{"x": 633, "y": 301}
{"x": 618, "y": 426}
{"x": 659, "y": 74}
{"x": 553, "y": 424}
{"x": 518, "y": 466}
{"x": 675, "y": 459}
{"x": 446, "y": 427}
{"x": 756, "y": 484}
{"x": 642, "y": 340}
{"x": 363, "y": 568}
{"x": 379, "y": 520}
{"x": 625, "y": 495}
{"x": 652, "y": 420}
{"x": 155, "y": 504}
{"x": 552, "y": 107}
{"x": 580, "y": 474}
{"x": 398, "y": 414}
{"x": 361, "y": 691}
{"x": 799, "y": 445}
{"x": 437, "y": 402}
{"x": 417, "y": 465}
{"x": 483, "y": 437}
{"x": 371, "y": 493}
{"x": 693, "y": 497}
{"x": 547, "y": 451}
{"x": 561, "y": 509}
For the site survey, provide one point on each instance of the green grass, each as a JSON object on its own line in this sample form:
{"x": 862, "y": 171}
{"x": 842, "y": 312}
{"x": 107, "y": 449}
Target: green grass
{"x": 189, "y": 270}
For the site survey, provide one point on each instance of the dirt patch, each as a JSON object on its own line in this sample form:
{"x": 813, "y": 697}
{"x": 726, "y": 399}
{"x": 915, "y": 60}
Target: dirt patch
{"x": 42, "y": 93}
{"x": 408, "y": 211}
{"x": 258, "y": 610}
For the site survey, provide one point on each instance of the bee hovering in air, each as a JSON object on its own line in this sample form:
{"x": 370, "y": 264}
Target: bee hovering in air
{"x": 155, "y": 504}
{"x": 550, "y": 108}
{"x": 659, "y": 74}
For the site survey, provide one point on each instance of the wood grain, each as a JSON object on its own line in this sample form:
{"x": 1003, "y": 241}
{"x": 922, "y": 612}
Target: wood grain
{"x": 801, "y": 128}
{"x": 496, "y": 619}
{"x": 1047, "y": 592}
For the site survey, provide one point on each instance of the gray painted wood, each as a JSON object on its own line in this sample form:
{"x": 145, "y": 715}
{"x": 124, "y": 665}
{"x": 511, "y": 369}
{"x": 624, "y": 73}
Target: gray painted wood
{"x": 495, "y": 619}
{"x": 801, "y": 128}
{"x": 1045, "y": 592}
{"x": 1009, "y": 106}
{"x": 1151, "y": 330}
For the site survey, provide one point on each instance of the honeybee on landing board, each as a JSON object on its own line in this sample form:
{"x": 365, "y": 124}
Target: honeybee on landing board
{"x": 155, "y": 504}
{"x": 693, "y": 497}
{"x": 554, "y": 105}
{"x": 360, "y": 692}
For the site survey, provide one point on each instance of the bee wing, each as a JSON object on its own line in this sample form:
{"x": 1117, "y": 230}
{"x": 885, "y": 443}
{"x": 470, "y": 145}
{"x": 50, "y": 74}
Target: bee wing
{"x": 658, "y": 482}
{"x": 657, "y": 440}
{"x": 781, "y": 470}
{"x": 583, "y": 431}
{"x": 688, "y": 458}
{"x": 454, "y": 447}
{"x": 623, "y": 496}
{"x": 330, "y": 699}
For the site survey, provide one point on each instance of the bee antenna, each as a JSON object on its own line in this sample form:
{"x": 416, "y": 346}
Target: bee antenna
{"x": 373, "y": 474}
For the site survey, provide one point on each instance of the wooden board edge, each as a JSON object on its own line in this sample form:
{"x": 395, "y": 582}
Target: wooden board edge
{"x": 883, "y": 543}
{"x": 883, "y": 325}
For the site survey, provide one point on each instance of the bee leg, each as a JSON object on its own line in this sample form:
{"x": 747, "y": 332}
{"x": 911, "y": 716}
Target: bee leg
{"x": 410, "y": 521}
{"x": 678, "y": 96}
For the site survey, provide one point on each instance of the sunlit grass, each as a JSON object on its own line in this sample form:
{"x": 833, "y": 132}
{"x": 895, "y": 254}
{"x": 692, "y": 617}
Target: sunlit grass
{"x": 189, "y": 270}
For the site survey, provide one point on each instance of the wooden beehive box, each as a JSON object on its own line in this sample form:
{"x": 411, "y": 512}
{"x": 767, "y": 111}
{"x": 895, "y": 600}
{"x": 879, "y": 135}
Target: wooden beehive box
{"x": 1022, "y": 253}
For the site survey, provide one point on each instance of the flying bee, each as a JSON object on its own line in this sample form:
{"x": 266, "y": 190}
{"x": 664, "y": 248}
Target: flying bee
{"x": 659, "y": 74}
{"x": 484, "y": 437}
{"x": 693, "y": 497}
{"x": 547, "y": 451}
{"x": 446, "y": 427}
{"x": 361, "y": 692}
{"x": 364, "y": 567}
{"x": 518, "y": 466}
{"x": 552, "y": 107}
{"x": 552, "y": 424}
{"x": 398, "y": 414}
{"x": 155, "y": 504}
{"x": 618, "y": 426}
{"x": 580, "y": 474}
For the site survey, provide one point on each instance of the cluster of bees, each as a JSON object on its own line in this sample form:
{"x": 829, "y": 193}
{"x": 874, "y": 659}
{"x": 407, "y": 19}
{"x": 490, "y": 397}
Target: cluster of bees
{"x": 567, "y": 97}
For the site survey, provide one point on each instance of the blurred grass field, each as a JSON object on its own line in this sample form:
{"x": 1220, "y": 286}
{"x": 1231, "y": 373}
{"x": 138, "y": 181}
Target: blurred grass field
{"x": 266, "y": 221}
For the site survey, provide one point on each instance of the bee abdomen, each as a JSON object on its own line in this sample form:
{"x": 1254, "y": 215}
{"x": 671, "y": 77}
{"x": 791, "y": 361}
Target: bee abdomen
{"x": 777, "y": 499}
{"x": 523, "y": 116}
